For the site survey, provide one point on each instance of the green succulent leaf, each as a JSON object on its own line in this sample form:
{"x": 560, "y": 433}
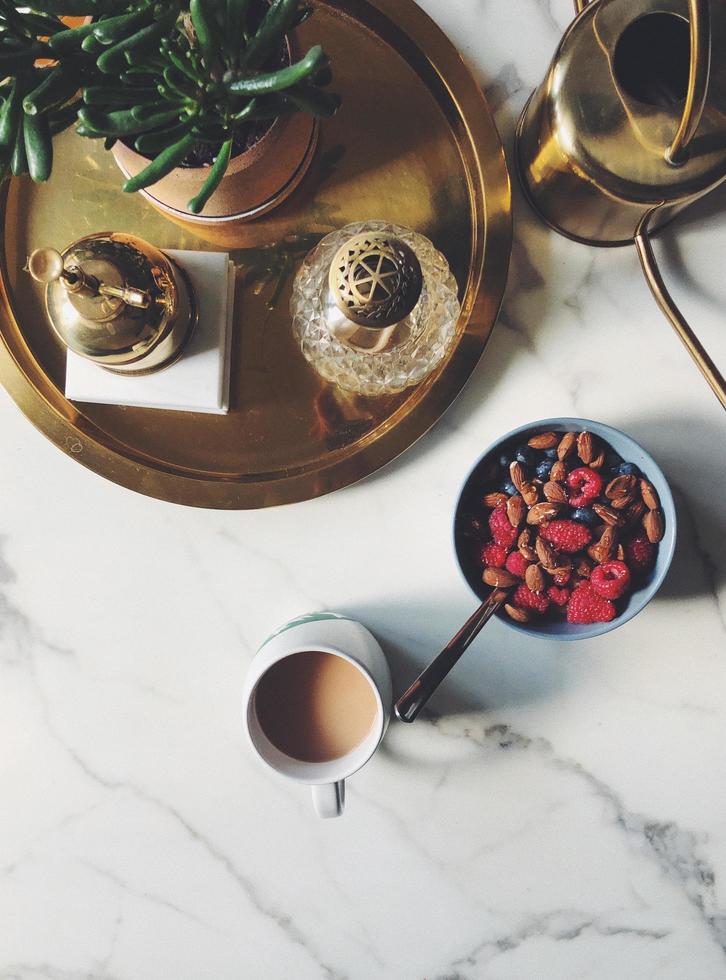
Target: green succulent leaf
{"x": 115, "y": 29}
{"x": 66, "y": 42}
{"x": 123, "y": 122}
{"x": 113, "y": 59}
{"x": 9, "y": 119}
{"x": 206, "y": 31}
{"x": 275, "y": 24}
{"x": 57, "y": 86}
{"x": 38, "y": 146}
{"x": 216, "y": 173}
{"x": 18, "y": 160}
{"x": 117, "y": 96}
{"x": 161, "y": 165}
{"x": 154, "y": 142}
{"x": 277, "y": 81}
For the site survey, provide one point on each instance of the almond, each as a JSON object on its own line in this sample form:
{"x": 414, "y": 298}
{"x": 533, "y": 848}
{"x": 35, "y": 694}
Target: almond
{"x": 555, "y": 492}
{"x": 620, "y": 485}
{"x": 583, "y": 568}
{"x": 517, "y": 614}
{"x": 547, "y": 554}
{"x": 535, "y": 579}
{"x": 493, "y": 500}
{"x": 558, "y": 471}
{"x": 516, "y": 471}
{"x": 598, "y": 553}
{"x": 524, "y": 543}
{"x": 602, "y": 549}
{"x": 634, "y": 513}
{"x": 516, "y": 509}
{"x": 566, "y": 446}
{"x": 608, "y": 515}
{"x": 599, "y": 461}
{"x": 649, "y": 495}
{"x": 653, "y": 525}
{"x": 545, "y": 440}
{"x": 621, "y": 502}
{"x": 498, "y": 595}
{"x": 545, "y": 511}
{"x": 586, "y": 447}
{"x": 565, "y": 567}
{"x": 608, "y": 538}
{"x": 498, "y": 578}
{"x": 530, "y": 493}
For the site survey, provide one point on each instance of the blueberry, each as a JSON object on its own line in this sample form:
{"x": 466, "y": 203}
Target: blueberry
{"x": 504, "y": 460}
{"x": 508, "y": 487}
{"x": 551, "y": 454}
{"x": 526, "y": 455}
{"x": 584, "y": 515}
{"x": 628, "y": 469}
{"x": 543, "y": 469}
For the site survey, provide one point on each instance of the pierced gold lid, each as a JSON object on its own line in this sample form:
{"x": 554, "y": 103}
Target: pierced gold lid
{"x": 375, "y": 280}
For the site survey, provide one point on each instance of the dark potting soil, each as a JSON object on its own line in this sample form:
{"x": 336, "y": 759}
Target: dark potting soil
{"x": 247, "y": 134}
{"x": 204, "y": 154}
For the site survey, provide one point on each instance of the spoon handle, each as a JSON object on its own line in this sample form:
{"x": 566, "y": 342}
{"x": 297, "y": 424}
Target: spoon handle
{"x": 412, "y": 701}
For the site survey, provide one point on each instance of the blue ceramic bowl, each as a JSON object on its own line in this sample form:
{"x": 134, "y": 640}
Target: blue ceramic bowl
{"x": 485, "y": 475}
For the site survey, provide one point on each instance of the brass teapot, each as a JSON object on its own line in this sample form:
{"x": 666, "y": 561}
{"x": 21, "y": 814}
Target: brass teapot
{"x": 628, "y": 128}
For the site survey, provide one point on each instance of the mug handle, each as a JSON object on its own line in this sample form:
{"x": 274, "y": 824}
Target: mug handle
{"x": 329, "y": 799}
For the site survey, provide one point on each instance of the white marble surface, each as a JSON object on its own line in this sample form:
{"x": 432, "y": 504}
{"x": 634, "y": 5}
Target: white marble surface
{"x": 560, "y": 813}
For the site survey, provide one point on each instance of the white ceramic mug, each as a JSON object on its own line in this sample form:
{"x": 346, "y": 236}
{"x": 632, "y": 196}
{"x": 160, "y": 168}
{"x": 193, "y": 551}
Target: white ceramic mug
{"x": 342, "y": 637}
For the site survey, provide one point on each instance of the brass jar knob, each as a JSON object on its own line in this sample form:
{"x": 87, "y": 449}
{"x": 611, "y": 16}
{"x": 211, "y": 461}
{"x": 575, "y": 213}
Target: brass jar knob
{"x": 376, "y": 280}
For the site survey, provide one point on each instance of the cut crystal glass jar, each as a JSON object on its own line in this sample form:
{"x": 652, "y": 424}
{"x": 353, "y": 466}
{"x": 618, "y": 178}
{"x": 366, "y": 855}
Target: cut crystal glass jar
{"x": 374, "y": 307}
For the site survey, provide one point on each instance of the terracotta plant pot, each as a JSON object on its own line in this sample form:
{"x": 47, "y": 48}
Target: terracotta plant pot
{"x": 256, "y": 181}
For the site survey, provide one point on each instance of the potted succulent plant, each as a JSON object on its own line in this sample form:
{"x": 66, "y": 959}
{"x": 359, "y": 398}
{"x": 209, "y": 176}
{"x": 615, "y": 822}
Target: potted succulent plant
{"x": 209, "y": 108}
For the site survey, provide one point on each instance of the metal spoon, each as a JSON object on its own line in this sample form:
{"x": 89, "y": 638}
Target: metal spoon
{"x": 413, "y": 700}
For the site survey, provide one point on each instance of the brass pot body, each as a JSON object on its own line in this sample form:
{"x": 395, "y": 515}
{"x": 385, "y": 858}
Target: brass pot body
{"x": 256, "y": 181}
{"x": 592, "y": 142}
{"x": 125, "y": 339}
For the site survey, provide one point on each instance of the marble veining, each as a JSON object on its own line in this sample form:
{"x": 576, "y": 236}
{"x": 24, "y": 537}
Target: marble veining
{"x": 558, "y": 814}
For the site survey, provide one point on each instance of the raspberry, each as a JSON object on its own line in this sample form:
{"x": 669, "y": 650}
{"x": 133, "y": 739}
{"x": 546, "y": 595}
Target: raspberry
{"x": 493, "y": 555}
{"x": 586, "y": 606}
{"x": 639, "y": 554}
{"x": 585, "y": 485}
{"x": 502, "y": 531}
{"x": 611, "y": 579}
{"x": 559, "y": 596}
{"x": 562, "y": 576}
{"x": 526, "y": 599}
{"x": 567, "y": 536}
{"x": 517, "y": 564}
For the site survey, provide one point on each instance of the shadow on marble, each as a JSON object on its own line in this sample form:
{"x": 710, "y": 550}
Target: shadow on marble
{"x": 677, "y": 444}
{"x": 679, "y": 274}
{"x": 501, "y": 669}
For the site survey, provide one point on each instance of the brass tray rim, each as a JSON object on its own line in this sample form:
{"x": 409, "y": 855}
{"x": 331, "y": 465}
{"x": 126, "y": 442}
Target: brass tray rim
{"x": 66, "y": 426}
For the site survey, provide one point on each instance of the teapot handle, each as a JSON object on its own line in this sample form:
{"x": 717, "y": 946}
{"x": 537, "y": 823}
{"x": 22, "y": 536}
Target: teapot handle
{"x": 667, "y": 304}
{"x": 700, "y": 69}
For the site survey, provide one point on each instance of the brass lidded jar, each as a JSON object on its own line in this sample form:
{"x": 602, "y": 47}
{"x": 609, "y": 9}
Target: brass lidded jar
{"x": 118, "y": 301}
{"x": 375, "y": 308}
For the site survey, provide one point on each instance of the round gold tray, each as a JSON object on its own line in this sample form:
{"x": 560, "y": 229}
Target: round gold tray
{"x": 415, "y": 144}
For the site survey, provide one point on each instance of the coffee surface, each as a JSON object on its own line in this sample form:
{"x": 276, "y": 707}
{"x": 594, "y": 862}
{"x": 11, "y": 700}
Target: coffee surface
{"x": 315, "y": 706}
